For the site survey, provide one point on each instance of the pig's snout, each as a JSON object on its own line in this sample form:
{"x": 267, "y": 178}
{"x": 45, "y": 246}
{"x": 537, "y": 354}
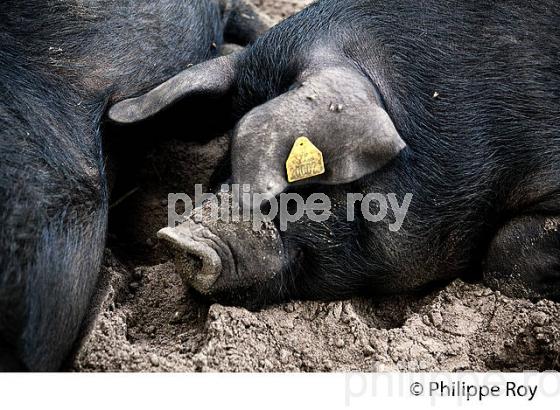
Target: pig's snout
{"x": 200, "y": 256}
{"x": 223, "y": 259}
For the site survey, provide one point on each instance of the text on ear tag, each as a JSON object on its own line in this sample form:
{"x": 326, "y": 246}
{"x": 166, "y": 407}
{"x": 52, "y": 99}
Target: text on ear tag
{"x": 305, "y": 161}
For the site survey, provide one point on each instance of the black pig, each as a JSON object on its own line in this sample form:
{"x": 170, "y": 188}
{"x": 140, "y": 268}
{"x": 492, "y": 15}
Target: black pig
{"x": 62, "y": 63}
{"x": 456, "y": 102}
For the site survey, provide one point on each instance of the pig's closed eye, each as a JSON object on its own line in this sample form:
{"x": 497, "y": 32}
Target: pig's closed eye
{"x": 265, "y": 208}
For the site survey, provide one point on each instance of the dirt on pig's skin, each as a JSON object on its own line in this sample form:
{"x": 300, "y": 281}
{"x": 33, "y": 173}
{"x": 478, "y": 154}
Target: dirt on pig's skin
{"x": 146, "y": 321}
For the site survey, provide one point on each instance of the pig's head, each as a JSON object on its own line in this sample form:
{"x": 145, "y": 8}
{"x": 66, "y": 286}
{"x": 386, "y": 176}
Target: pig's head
{"x": 279, "y": 96}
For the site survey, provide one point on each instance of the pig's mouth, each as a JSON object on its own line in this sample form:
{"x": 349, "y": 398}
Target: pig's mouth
{"x": 201, "y": 256}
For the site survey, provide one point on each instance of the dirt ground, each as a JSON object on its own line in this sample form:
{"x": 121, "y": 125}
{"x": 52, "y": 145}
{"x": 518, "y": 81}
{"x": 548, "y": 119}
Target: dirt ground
{"x": 148, "y": 322}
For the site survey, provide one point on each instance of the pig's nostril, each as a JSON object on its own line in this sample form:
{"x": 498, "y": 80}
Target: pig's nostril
{"x": 198, "y": 262}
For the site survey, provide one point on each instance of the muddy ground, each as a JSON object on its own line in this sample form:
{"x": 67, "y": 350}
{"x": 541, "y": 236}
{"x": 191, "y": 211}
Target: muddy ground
{"x": 148, "y": 322}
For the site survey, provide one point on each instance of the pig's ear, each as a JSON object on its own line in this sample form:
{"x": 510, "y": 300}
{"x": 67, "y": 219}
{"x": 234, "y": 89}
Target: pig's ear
{"x": 340, "y": 113}
{"x": 212, "y": 78}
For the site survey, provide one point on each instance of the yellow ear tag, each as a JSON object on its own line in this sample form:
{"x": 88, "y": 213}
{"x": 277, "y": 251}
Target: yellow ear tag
{"x": 305, "y": 161}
